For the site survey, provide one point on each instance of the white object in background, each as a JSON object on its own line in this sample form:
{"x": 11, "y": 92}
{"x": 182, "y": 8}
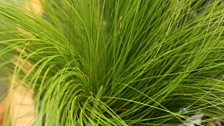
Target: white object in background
{"x": 195, "y": 119}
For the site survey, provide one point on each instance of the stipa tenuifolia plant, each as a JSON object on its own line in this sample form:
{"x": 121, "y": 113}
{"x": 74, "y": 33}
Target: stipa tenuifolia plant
{"x": 118, "y": 62}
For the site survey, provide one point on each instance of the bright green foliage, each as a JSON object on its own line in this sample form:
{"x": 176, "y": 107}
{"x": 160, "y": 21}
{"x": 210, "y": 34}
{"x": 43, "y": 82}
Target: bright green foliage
{"x": 119, "y": 62}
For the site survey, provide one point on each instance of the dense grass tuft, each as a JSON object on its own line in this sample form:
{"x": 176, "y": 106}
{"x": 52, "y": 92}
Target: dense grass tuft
{"x": 118, "y": 62}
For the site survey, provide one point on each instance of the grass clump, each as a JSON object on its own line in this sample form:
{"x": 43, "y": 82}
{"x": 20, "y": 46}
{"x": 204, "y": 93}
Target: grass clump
{"x": 118, "y": 62}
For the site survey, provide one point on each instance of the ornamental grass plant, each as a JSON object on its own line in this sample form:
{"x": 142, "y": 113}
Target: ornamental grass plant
{"x": 118, "y": 62}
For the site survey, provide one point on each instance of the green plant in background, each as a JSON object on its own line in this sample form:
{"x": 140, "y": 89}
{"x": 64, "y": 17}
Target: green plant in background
{"x": 119, "y": 62}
